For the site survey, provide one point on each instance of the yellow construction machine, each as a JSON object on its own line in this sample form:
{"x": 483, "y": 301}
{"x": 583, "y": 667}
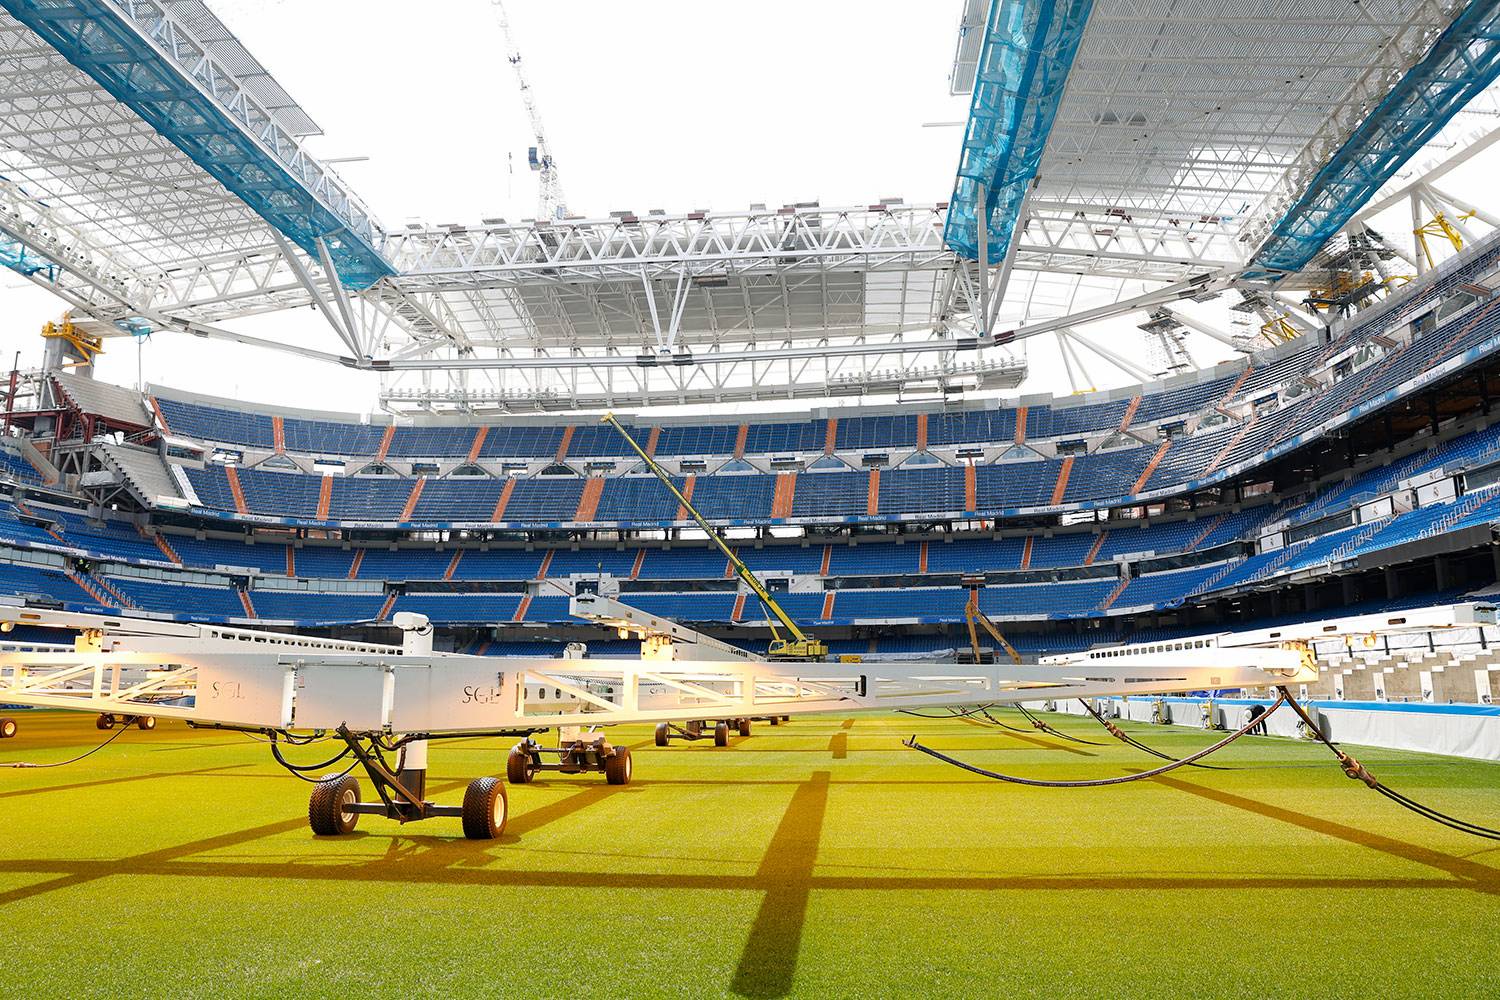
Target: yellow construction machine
{"x": 973, "y": 615}
{"x": 799, "y": 646}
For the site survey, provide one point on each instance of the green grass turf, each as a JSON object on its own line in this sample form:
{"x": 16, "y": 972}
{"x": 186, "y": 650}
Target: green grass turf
{"x": 814, "y": 859}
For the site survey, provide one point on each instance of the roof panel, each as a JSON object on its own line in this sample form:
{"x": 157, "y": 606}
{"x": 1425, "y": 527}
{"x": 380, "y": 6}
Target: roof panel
{"x": 221, "y": 43}
{"x": 1200, "y": 106}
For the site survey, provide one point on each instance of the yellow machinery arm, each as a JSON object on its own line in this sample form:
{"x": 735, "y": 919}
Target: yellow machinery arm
{"x": 800, "y": 646}
{"x": 972, "y": 614}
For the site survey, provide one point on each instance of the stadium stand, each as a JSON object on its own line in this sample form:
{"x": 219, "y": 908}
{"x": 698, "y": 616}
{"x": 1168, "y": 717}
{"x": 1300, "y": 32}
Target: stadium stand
{"x": 1082, "y": 519}
{"x": 15, "y": 468}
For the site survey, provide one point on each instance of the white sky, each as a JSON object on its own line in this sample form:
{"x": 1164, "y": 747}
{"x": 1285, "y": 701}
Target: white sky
{"x": 665, "y": 104}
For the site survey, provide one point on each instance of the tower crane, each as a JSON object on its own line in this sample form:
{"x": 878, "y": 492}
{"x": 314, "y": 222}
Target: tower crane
{"x": 550, "y": 202}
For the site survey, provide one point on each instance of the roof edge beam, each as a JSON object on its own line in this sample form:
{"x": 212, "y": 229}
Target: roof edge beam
{"x": 152, "y": 64}
{"x": 1462, "y": 62}
{"x": 1027, "y": 53}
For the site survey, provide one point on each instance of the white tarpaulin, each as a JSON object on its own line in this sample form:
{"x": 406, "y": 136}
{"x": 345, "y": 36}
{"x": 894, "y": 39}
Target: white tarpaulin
{"x": 1456, "y": 730}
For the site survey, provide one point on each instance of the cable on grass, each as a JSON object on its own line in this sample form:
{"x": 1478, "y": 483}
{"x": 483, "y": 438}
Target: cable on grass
{"x": 1282, "y": 696}
{"x": 73, "y": 760}
{"x": 1129, "y": 740}
{"x": 1357, "y": 771}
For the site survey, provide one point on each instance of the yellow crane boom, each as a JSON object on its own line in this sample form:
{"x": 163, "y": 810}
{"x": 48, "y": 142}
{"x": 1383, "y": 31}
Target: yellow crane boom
{"x": 973, "y": 614}
{"x": 800, "y": 646}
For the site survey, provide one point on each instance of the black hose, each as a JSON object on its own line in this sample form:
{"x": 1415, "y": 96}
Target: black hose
{"x": 1358, "y": 771}
{"x": 264, "y": 734}
{"x": 1099, "y": 782}
{"x": 969, "y": 713}
{"x": 1004, "y": 725}
{"x": 1462, "y": 825}
{"x": 1129, "y": 740}
{"x": 1048, "y": 728}
{"x": 74, "y": 760}
{"x": 300, "y": 771}
{"x": 953, "y": 713}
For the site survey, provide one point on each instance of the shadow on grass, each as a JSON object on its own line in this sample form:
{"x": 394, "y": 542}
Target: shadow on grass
{"x": 786, "y": 874}
{"x": 415, "y": 856}
{"x": 15, "y": 792}
{"x": 768, "y": 962}
{"x": 1481, "y": 878}
{"x": 1044, "y": 744}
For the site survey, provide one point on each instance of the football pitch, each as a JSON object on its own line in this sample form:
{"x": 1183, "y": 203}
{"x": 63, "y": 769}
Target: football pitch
{"x": 818, "y": 858}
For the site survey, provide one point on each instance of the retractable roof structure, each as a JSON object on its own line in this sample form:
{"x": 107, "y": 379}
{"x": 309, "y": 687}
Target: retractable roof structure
{"x": 1124, "y": 155}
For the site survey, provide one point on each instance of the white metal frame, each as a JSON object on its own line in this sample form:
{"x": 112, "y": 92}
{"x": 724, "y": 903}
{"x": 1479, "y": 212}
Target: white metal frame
{"x": 134, "y": 669}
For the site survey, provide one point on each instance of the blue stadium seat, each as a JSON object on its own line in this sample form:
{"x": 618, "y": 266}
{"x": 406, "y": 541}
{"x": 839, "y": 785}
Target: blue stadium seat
{"x": 220, "y": 425}
{"x": 212, "y": 552}
{"x": 875, "y": 559}
{"x": 310, "y": 607}
{"x": 975, "y": 556}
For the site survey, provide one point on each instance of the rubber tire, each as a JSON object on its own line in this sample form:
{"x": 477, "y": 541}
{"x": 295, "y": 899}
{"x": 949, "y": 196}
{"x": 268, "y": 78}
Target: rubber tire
{"x": 618, "y": 768}
{"x": 518, "y": 766}
{"x": 721, "y": 734}
{"x": 775, "y": 720}
{"x": 7, "y": 729}
{"x": 485, "y": 809}
{"x": 325, "y": 812}
{"x": 146, "y": 722}
{"x": 663, "y": 734}
{"x": 786, "y": 718}
{"x": 744, "y": 727}
{"x": 104, "y": 721}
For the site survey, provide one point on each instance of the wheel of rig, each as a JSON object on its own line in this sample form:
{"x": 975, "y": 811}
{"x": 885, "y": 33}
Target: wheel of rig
{"x": 519, "y": 767}
{"x": 619, "y": 767}
{"x": 104, "y": 721}
{"x": 7, "y": 728}
{"x": 329, "y": 811}
{"x": 744, "y": 727}
{"x": 786, "y": 718}
{"x": 775, "y": 720}
{"x": 146, "y": 722}
{"x": 485, "y": 809}
{"x": 663, "y": 734}
{"x": 721, "y": 734}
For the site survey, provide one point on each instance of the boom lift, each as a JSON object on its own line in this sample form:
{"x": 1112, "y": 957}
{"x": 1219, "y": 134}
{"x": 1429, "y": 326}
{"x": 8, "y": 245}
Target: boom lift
{"x": 973, "y": 614}
{"x": 799, "y": 646}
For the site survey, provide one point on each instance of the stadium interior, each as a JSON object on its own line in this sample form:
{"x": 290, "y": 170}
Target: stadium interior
{"x": 1354, "y": 471}
{"x": 873, "y": 426}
